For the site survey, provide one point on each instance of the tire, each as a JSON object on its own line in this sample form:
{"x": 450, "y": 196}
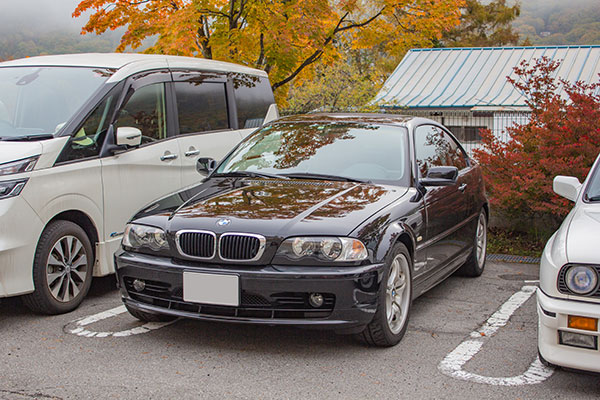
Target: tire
{"x": 384, "y": 331}
{"x": 148, "y": 317}
{"x": 475, "y": 264}
{"x": 62, "y": 269}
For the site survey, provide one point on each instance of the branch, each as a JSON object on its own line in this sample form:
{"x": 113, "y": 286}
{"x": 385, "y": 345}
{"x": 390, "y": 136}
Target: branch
{"x": 316, "y": 55}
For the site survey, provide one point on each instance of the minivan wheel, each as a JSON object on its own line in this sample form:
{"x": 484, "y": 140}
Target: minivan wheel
{"x": 148, "y": 317}
{"x": 475, "y": 264}
{"x": 395, "y": 298}
{"x": 62, "y": 269}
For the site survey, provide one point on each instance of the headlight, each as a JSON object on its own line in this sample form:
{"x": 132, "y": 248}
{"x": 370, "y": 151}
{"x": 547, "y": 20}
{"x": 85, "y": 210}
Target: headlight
{"x": 17, "y": 167}
{"x": 581, "y": 279}
{"x": 11, "y": 188}
{"x": 138, "y": 237}
{"x": 323, "y": 248}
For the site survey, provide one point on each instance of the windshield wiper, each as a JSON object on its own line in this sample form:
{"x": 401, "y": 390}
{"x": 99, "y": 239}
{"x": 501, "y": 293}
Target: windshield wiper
{"x": 326, "y": 177}
{"x": 25, "y": 138}
{"x": 252, "y": 174}
{"x": 593, "y": 198}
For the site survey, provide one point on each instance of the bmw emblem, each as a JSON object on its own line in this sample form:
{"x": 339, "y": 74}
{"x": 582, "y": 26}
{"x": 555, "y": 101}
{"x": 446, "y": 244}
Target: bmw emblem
{"x": 223, "y": 221}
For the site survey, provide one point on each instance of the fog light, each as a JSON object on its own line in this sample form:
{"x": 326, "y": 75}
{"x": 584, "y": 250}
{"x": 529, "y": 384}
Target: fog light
{"x": 315, "y": 299}
{"x": 578, "y": 340}
{"x": 585, "y": 323}
{"x": 139, "y": 285}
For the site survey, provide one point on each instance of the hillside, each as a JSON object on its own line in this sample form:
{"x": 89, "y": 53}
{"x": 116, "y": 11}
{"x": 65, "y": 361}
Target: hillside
{"x": 559, "y": 22}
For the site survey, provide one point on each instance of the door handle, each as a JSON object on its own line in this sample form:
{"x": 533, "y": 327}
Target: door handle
{"x": 168, "y": 157}
{"x": 192, "y": 152}
{"x": 462, "y": 187}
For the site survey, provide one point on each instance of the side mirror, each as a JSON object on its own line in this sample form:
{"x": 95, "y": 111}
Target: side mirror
{"x": 206, "y": 165}
{"x": 128, "y": 136}
{"x": 567, "y": 187}
{"x": 440, "y": 176}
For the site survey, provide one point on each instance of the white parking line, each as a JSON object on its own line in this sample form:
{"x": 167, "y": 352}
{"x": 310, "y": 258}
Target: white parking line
{"x": 453, "y": 363}
{"x": 78, "y": 328}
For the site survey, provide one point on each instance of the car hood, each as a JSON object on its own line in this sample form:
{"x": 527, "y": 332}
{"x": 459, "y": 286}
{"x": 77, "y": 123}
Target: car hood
{"x": 275, "y": 208}
{"x": 584, "y": 234}
{"x": 12, "y": 151}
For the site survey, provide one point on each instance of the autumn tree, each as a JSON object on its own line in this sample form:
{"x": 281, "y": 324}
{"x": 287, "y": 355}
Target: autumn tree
{"x": 286, "y": 38}
{"x": 482, "y": 25}
{"x": 562, "y": 137}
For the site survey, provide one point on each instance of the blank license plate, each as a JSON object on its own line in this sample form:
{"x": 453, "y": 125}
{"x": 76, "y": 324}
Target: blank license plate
{"x": 223, "y": 290}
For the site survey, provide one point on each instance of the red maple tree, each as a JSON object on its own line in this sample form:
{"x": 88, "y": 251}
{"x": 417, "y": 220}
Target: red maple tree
{"x": 561, "y": 138}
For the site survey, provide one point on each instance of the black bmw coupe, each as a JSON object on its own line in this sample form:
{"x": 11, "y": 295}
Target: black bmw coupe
{"x": 332, "y": 221}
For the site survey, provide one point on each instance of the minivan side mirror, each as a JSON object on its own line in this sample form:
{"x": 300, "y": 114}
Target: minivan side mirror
{"x": 206, "y": 165}
{"x": 128, "y": 136}
{"x": 567, "y": 187}
{"x": 440, "y": 176}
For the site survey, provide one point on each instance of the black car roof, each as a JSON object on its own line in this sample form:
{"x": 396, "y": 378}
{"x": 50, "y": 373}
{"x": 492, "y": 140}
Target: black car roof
{"x": 387, "y": 119}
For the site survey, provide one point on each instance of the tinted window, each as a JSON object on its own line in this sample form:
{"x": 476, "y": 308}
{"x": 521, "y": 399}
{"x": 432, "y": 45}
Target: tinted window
{"x": 435, "y": 148}
{"x": 253, "y": 96}
{"x": 360, "y": 151}
{"x": 88, "y": 140}
{"x": 202, "y": 106}
{"x": 146, "y": 110}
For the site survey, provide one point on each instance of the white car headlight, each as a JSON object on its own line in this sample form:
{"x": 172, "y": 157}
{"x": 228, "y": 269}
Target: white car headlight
{"x": 138, "y": 237}
{"x": 324, "y": 248}
{"x": 11, "y": 188}
{"x": 581, "y": 279}
{"x": 17, "y": 167}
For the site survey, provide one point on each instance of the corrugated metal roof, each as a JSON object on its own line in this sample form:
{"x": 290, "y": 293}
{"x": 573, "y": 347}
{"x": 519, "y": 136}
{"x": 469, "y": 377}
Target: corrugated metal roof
{"x": 476, "y": 77}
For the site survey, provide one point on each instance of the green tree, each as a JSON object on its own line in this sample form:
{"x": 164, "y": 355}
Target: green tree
{"x": 483, "y": 25}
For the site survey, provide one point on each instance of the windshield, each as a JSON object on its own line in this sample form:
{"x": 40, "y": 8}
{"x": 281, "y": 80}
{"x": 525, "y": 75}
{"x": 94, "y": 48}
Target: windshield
{"x": 37, "y": 101}
{"x": 351, "y": 150}
{"x": 592, "y": 192}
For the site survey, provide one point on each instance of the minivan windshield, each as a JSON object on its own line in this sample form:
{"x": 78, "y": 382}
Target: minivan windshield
{"x": 37, "y": 101}
{"x": 315, "y": 150}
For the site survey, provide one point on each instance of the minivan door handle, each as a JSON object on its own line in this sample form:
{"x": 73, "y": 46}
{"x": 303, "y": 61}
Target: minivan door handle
{"x": 462, "y": 187}
{"x": 192, "y": 152}
{"x": 168, "y": 157}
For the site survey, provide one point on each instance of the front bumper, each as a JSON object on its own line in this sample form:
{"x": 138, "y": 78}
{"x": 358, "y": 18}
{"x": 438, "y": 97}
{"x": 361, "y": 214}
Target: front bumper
{"x": 20, "y": 229}
{"x": 552, "y": 317}
{"x": 274, "y": 295}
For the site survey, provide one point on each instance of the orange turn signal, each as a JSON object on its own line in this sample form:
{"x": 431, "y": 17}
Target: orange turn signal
{"x": 584, "y": 323}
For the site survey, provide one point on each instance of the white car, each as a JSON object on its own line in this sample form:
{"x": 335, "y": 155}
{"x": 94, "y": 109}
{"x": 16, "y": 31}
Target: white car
{"x": 568, "y": 299}
{"x": 86, "y": 140}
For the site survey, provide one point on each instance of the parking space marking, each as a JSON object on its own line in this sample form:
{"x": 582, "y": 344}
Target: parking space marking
{"x": 79, "y": 330}
{"x": 453, "y": 363}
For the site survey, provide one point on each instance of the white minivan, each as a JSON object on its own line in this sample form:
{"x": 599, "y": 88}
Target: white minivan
{"x": 86, "y": 140}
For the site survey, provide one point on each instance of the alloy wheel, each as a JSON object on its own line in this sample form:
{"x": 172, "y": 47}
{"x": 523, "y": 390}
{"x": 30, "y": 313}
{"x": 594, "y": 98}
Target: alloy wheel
{"x": 66, "y": 268}
{"x": 481, "y": 240}
{"x": 398, "y": 293}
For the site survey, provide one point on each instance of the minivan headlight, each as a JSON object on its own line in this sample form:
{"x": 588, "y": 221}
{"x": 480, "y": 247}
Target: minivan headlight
{"x": 17, "y": 167}
{"x": 581, "y": 279}
{"x": 326, "y": 248}
{"x": 12, "y": 188}
{"x": 138, "y": 237}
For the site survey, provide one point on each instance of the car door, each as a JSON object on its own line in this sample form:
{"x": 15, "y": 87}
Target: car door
{"x": 444, "y": 205}
{"x": 205, "y": 125}
{"x": 135, "y": 177}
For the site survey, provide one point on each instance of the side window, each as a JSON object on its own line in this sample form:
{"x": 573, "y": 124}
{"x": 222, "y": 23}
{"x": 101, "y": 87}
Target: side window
{"x": 145, "y": 109}
{"x": 434, "y": 148}
{"x": 89, "y": 138}
{"x": 202, "y": 106}
{"x": 253, "y": 96}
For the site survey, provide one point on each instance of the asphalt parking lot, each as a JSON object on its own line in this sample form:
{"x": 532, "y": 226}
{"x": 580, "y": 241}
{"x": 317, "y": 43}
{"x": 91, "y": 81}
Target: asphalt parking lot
{"x": 467, "y": 338}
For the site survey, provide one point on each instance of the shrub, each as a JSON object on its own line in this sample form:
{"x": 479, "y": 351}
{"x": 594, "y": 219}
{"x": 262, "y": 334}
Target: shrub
{"x": 561, "y": 138}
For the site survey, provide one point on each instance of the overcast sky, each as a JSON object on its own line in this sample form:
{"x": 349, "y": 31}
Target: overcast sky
{"x": 41, "y": 14}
